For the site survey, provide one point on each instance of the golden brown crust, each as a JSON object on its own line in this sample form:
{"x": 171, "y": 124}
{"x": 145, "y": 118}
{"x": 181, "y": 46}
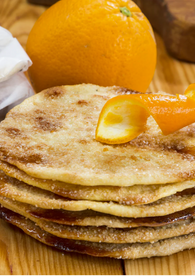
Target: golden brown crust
{"x": 133, "y": 195}
{"x": 52, "y": 136}
{"x": 17, "y": 190}
{"x": 124, "y": 251}
{"x": 105, "y": 234}
{"x": 93, "y": 218}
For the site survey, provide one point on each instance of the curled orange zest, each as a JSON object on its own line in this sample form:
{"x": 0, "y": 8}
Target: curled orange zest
{"x": 190, "y": 91}
{"x": 124, "y": 117}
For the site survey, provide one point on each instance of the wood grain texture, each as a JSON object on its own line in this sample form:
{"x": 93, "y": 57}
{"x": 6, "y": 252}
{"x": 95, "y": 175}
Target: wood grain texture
{"x": 178, "y": 264}
{"x": 175, "y": 21}
{"x": 18, "y": 16}
{"x": 171, "y": 75}
{"x": 20, "y": 254}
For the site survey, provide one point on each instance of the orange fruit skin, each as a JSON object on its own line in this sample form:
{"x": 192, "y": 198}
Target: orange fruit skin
{"x": 124, "y": 117}
{"x": 92, "y": 41}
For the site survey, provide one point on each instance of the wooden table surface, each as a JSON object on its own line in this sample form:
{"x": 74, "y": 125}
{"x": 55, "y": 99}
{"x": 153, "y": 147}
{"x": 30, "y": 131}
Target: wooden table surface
{"x": 20, "y": 254}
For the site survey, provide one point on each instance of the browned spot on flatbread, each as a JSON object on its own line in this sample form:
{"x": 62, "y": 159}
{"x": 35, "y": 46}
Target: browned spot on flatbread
{"x": 146, "y": 141}
{"x": 82, "y": 102}
{"x": 26, "y": 157}
{"x": 124, "y": 90}
{"x": 175, "y": 145}
{"x": 4, "y": 153}
{"x": 13, "y": 132}
{"x": 31, "y": 158}
{"x": 54, "y": 93}
{"x": 187, "y": 175}
{"x": 46, "y": 125}
{"x": 133, "y": 157}
{"x": 82, "y": 141}
{"x": 188, "y": 131}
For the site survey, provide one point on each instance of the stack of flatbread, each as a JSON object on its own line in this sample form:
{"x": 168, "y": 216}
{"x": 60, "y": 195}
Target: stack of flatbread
{"x": 64, "y": 188}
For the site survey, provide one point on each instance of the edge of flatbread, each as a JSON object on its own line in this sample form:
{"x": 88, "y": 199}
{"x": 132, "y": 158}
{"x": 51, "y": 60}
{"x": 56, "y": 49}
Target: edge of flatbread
{"x": 120, "y": 251}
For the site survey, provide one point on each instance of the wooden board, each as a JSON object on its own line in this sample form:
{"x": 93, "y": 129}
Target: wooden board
{"x": 175, "y": 22}
{"x": 20, "y": 254}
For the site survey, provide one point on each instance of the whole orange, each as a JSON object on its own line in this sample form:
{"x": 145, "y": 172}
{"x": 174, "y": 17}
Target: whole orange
{"x": 92, "y": 41}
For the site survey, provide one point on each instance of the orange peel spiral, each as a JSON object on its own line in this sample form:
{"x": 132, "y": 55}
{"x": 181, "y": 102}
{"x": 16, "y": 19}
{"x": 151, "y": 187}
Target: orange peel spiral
{"x": 124, "y": 117}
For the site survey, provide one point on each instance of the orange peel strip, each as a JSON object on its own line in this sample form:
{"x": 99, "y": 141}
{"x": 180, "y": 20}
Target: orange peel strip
{"x": 190, "y": 91}
{"x": 124, "y": 117}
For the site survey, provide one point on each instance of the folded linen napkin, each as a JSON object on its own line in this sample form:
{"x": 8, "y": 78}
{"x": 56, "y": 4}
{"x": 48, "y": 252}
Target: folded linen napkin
{"x": 14, "y": 86}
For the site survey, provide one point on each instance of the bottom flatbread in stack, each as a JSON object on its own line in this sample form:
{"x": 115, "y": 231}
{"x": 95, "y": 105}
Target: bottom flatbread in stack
{"x": 64, "y": 188}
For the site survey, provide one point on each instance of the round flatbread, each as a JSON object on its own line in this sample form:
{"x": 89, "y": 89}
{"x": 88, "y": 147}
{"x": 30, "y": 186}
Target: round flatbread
{"x": 52, "y": 136}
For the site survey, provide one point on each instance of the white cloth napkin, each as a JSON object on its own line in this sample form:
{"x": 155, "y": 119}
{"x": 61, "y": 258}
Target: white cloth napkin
{"x": 14, "y": 86}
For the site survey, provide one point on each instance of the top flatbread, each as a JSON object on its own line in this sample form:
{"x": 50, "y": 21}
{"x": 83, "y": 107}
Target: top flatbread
{"x": 52, "y": 136}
